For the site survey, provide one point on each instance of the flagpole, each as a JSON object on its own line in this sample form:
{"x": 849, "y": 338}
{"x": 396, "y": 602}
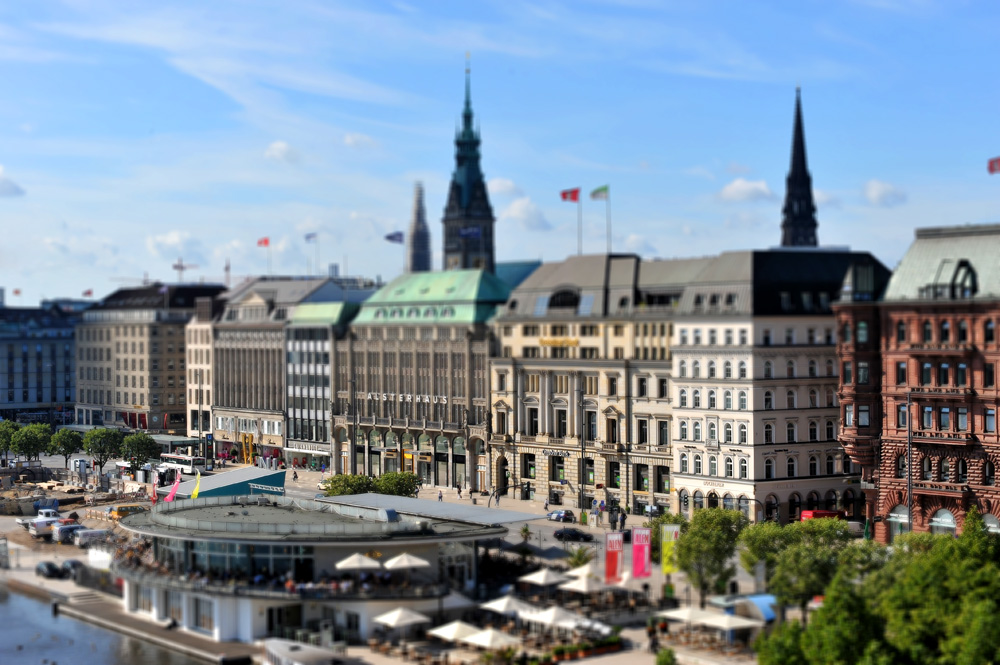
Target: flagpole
{"x": 579, "y": 225}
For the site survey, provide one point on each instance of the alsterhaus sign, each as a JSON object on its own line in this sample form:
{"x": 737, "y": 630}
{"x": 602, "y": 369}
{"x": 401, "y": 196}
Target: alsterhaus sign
{"x": 405, "y": 397}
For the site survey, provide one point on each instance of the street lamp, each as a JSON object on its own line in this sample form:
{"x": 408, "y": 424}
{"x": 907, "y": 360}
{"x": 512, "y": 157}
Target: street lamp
{"x": 583, "y": 449}
{"x": 352, "y": 449}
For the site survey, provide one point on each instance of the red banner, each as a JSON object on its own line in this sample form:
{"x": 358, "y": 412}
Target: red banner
{"x": 570, "y": 194}
{"x": 614, "y": 556}
{"x": 642, "y": 562}
{"x": 995, "y": 165}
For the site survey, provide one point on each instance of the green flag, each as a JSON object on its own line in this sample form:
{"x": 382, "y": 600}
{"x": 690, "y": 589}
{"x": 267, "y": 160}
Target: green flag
{"x": 601, "y": 193}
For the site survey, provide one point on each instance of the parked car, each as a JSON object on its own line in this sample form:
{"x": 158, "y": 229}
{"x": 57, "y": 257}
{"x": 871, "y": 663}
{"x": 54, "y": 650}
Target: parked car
{"x": 561, "y": 516}
{"x": 85, "y": 537}
{"x": 48, "y": 569}
{"x": 63, "y": 533}
{"x": 44, "y": 513}
{"x": 572, "y": 533}
{"x": 69, "y": 568}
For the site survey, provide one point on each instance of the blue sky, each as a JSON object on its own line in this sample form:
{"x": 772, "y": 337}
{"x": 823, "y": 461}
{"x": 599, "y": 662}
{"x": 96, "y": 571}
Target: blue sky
{"x": 135, "y": 133}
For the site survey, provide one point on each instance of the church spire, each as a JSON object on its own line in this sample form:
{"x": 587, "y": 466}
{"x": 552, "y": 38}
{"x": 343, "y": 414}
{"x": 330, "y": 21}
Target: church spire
{"x": 418, "y": 240}
{"x": 798, "y": 223}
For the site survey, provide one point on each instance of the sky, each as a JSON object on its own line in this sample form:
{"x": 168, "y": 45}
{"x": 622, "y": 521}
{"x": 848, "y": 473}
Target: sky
{"x": 133, "y": 134}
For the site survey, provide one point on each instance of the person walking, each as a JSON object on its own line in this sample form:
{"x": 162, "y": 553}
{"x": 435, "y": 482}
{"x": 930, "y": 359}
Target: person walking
{"x": 546, "y": 505}
{"x": 440, "y": 495}
{"x": 621, "y": 521}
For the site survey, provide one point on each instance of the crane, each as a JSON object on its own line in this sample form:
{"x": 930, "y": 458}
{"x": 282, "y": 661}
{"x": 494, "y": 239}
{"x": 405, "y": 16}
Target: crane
{"x": 180, "y": 267}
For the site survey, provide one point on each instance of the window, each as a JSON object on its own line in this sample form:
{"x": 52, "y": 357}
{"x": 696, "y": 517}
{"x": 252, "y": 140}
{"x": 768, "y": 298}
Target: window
{"x": 812, "y": 368}
{"x": 712, "y": 432}
{"x": 683, "y": 431}
{"x": 743, "y": 433}
{"x": 901, "y": 415}
{"x": 926, "y": 471}
{"x": 711, "y": 399}
{"x": 696, "y": 399}
{"x": 963, "y": 332}
{"x": 697, "y": 464}
{"x": 814, "y": 431}
{"x": 612, "y": 385}
{"x": 813, "y": 399}
{"x": 712, "y": 339}
{"x": 743, "y": 400}
{"x": 769, "y": 433}
{"x": 728, "y": 336}
{"x": 863, "y": 372}
{"x": 925, "y": 374}
{"x": 790, "y": 369}
{"x": 641, "y": 387}
{"x": 945, "y": 418}
{"x": 945, "y": 332}
{"x": 943, "y": 374}
{"x": 743, "y": 370}
{"x": 945, "y": 470}
{"x": 831, "y": 465}
{"x": 831, "y": 431}
{"x": 663, "y": 389}
{"x": 991, "y": 420}
{"x": 730, "y": 468}
{"x": 863, "y": 415}
{"x": 711, "y": 369}
{"x": 682, "y": 372}
{"x": 901, "y": 466}
{"x": 713, "y": 466}
{"x": 768, "y": 469}
{"x": 682, "y": 398}
{"x": 848, "y": 415}
{"x": 684, "y": 463}
{"x": 727, "y": 431}
{"x": 847, "y": 333}
{"x": 862, "y": 332}
{"x": 989, "y": 376}
{"x": 766, "y": 338}
{"x": 789, "y": 336}
{"x": 989, "y": 332}
{"x": 961, "y": 374}
{"x": 989, "y": 473}
{"x": 744, "y": 469}
{"x": 928, "y": 332}
{"x": 901, "y": 373}
{"x": 814, "y": 465}
{"x": 790, "y": 399}
{"x": 768, "y": 370}
{"x": 642, "y": 433}
{"x": 790, "y": 432}
{"x": 848, "y": 373}
{"x": 900, "y": 332}
{"x": 696, "y": 337}
{"x": 697, "y": 431}
{"x": 727, "y": 400}
{"x": 963, "y": 471}
{"x": 829, "y": 368}
{"x": 790, "y": 467}
{"x": 928, "y": 418}
{"x": 768, "y": 400}
{"x": 696, "y": 369}
{"x": 743, "y": 338}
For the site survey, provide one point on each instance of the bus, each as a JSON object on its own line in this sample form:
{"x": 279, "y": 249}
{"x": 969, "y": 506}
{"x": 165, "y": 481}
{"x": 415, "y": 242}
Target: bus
{"x": 188, "y": 464}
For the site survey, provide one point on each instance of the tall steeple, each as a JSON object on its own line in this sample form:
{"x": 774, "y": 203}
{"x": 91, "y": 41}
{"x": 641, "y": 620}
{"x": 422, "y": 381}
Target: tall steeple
{"x": 418, "y": 241}
{"x": 468, "y": 216}
{"x": 798, "y": 216}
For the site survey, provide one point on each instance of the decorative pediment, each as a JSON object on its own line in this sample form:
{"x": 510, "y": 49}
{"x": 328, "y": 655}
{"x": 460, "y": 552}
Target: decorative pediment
{"x": 501, "y": 405}
{"x": 612, "y": 412}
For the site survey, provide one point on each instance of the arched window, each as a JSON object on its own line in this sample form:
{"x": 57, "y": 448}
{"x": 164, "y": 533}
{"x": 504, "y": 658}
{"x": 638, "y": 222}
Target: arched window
{"x": 963, "y": 471}
{"x": 743, "y": 370}
{"x": 847, "y": 333}
{"x": 900, "y": 331}
{"x": 830, "y": 397}
{"x": 711, "y": 369}
{"x": 989, "y": 332}
{"x": 696, "y": 369}
{"x": 768, "y": 400}
{"x": 684, "y": 431}
{"x": 862, "y": 332}
{"x": 768, "y": 469}
{"x": 963, "y": 332}
{"x": 711, "y": 399}
{"x": 744, "y": 469}
{"x": 790, "y": 399}
{"x": 901, "y": 466}
{"x": 769, "y": 433}
{"x": 684, "y": 463}
{"x": 945, "y": 331}
{"x": 812, "y": 501}
{"x": 727, "y": 370}
{"x": 729, "y": 467}
{"x": 945, "y": 470}
{"x": 829, "y": 368}
{"x": 794, "y": 506}
{"x": 697, "y": 431}
{"x": 831, "y": 465}
{"x": 697, "y": 465}
{"x": 696, "y": 399}
{"x": 713, "y": 500}
{"x": 812, "y": 368}
{"x": 813, "y": 466}
{"x": 790, "y": 369}
{"x": 926, "y": 469}
{"x": 727, "y": 400}
{"x": 728, "y": 432}
{"x": 683, "y": 369}
{"x": 743, "y": 401}
{"x": 727, "y": 502}
{"x": 813, "y": 399}
{"x": 768, "y": 370}
{"x": 713, "y": 432}
{"x": 989, "y": 473}
{"x": 699, "y": 500}
{"x": 943, "y": 521}
{"x": 813, "y": 431}
{"x": 743, "y": 433}
{"x": 790, "y": 432}
{"x": 713, "y": 465}
{"x": 928, "y": 332}
{"x": 790, "y": 467}
{"x": 682, "y": 398}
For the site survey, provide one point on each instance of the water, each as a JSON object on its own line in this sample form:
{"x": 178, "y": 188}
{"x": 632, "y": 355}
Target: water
{"x": 29, "y": 623}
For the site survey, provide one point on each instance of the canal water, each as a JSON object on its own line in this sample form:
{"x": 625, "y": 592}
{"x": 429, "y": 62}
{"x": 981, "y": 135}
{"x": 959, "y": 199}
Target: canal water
{"x": 30, "y": 635}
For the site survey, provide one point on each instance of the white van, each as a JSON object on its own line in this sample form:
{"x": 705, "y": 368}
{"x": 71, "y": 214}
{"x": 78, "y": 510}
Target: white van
{"x": 85, "y": 537}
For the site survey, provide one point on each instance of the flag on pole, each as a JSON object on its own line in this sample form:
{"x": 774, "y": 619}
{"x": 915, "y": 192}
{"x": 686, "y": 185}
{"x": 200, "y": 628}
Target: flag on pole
{"x": 88, "y": 293}
{"x": 173, "y": 489}
{"x": 995, "y": 165}
{"x": 395, "y": 236}
{"x": 197, "y": 486}
{"x": 311, "y": 237}
{"x": 570, "y": 194}
{"x": 264, "y": 242}
{"x": 601, "y": 193}
{"x": 17, "y": 292}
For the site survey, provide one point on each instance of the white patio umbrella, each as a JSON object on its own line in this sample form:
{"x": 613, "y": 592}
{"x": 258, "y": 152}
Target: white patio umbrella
{"x": 553, "y": 616}
{"x": 491, "y": 638}
{"x": 406, "y": 561}
{"x": 585, "y": 584}
{"x": 454, "y": 631}
{"x": 729, "y": 621}
{"x": 543, "y": 577}
{"x": 401, "y": 617}
{"x": 588, "y": 569}
{"x": 358, "y": 562}
{"x": 686, "y": 615}
{"x": 509, "y": 605}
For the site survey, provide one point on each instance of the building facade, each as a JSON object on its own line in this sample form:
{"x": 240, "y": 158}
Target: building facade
{"x": 918, "y": 389}
{"x": 131, "y": 361}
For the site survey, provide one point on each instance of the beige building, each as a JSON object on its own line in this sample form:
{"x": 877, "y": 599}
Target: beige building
{"x": 131, "y": 358}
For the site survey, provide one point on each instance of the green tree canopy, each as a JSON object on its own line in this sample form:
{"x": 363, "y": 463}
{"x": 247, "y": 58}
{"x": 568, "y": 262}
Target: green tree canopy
{"x": 7, "y": 430}
{"x": 32, "y": 440}
{"x": 344, "y": 484}
{"x": 762, "y": 542}
{"x": 65, "y": 442}
{"x": 397, "y": 483}
{"x": 705, "y": 551}
{"x": 138, "y": 449}
{"x": 782, "y": 647}
{"x": 103, "y": 445}
{"x": 579, "y": 556}
{"x": 849, "y": 626}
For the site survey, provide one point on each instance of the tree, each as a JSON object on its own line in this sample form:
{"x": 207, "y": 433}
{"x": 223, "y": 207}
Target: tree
{"x": 762, "y": 542}
{"x": 345, "y": 484}
{"x": 579, "y": 556}
{"x": 65, "y": 442}
{"x": 802, "y": 572}
{"x": 397, "y": 483}
{"x": 782, "y": 647}
{"x": 525, "y": 533}
{"x": 139, "y": 448}
{"x": 103, "y": 445}
{"x": 842, "y": 627}
{"x": 706, "y": 550}
{"x": 666, "y": 657}
{"x": 7, "y": 430}
{"x": 31, "y": 441}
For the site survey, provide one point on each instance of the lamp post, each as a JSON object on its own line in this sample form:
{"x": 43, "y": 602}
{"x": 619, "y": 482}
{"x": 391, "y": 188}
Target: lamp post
{"x": 352, "y": 450}
{"x": 583, "y": 448}
{"x": 909, "y": 462}
{"x": 628, "y": 480}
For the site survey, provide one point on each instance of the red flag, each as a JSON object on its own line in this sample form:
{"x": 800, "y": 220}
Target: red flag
{"x": 570, "y": 194}
{"x": 264, "y": 242}
{"x": 995, "y": 165}
{"x": 88, "y": 293}
{"x": 17, "y": 292}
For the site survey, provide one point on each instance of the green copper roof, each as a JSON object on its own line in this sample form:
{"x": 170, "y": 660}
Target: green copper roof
{"x": 323, "y": 313}
{"x": 449, "y": 297}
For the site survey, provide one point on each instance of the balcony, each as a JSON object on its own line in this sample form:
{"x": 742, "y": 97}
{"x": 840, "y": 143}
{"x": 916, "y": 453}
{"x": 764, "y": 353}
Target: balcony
{"x": 946, "y": 438}
{"x": 930, "y": 348}
{"x": 938, "y": 488}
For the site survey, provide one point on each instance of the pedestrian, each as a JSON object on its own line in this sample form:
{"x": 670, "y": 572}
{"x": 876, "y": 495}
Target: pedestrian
{"x": 459, "y": 488}
{"x": 621, "y": 521}
{"x": 440, "y": 495}
{"x": 546, "y": 505}
{"x": 322, "y": 469}
{"x": 654, "y": 644}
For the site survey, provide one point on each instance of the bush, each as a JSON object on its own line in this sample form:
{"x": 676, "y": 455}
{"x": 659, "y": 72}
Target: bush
{"x": 666, "y": 657}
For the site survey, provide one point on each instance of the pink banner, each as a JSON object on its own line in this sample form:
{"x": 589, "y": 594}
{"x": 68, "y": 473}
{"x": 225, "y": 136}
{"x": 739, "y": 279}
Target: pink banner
{"x": 173, "y": 490}
{"x": 614, "y": 557}
{"x": 642, "y": 565}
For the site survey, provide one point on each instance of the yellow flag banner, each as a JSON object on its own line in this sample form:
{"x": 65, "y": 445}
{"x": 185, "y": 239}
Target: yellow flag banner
{"x": 669, "y": 533}
{"x": 197, "y": 486}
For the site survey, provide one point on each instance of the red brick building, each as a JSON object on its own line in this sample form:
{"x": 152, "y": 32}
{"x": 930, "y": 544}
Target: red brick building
{"x": 918, "y": 384}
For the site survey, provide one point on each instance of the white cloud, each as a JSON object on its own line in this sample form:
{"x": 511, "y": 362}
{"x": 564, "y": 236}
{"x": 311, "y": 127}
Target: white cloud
{"x": 172, "y": 244}
{"x": 699, "y": 172}
{"x": 280, "y": 151}
{"x": 746, "y": 190}
{"x": 8, "y": 187}
{"x": 737, "y": 169}
{"x": 825, "y": 199}
{"x": 503, "y": 187}
{"x": 639, "y": 245}
{"x": 524, "y": 211}
{"x": 883, "y": 194}
{"x": 358, "y": 140}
